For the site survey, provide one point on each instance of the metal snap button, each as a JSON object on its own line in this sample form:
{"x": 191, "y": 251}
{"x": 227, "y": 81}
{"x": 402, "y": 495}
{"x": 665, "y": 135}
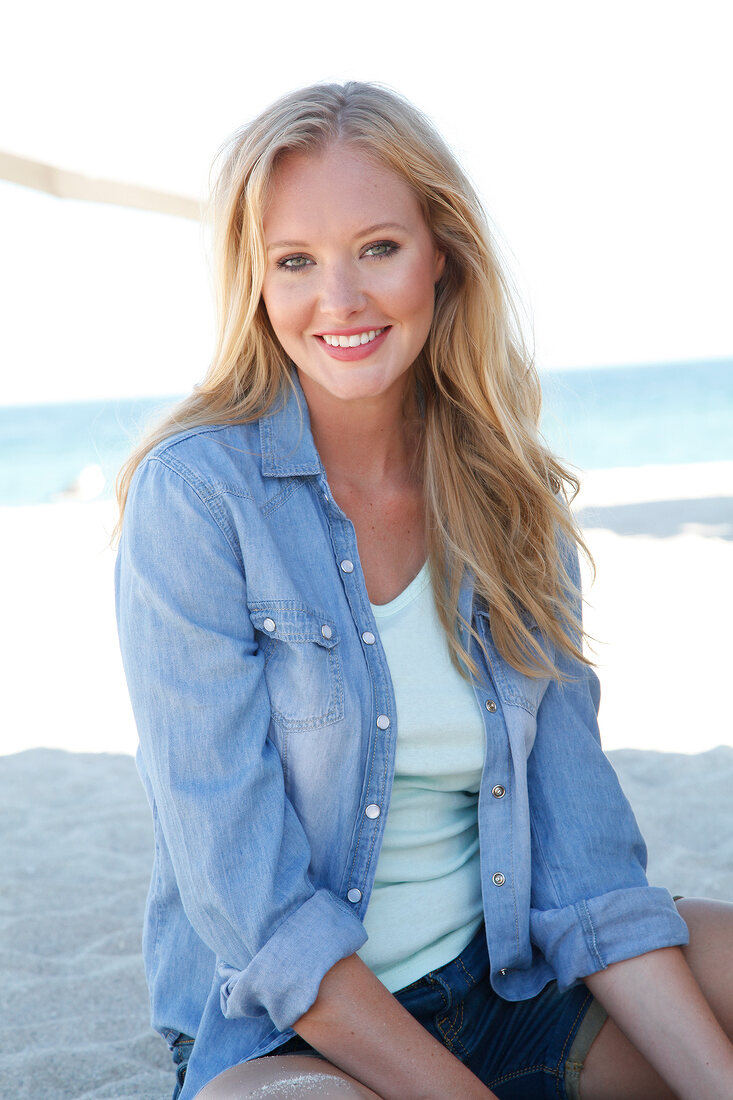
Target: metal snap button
{"x": 326, "y": 630}
{"x": 347, "y": 566}
{"x": 503, "y": 972}
{"x": 372, "y": 810}
{"x": 490, "y": 706}
{"x": 498, "y": 879}
{"x": 383, "y": 721}
{"x": 354, "y": 895}
{"x": 368, "y": 638}
{"x": 498, "y": 791}
{"x": 269, "y": 625}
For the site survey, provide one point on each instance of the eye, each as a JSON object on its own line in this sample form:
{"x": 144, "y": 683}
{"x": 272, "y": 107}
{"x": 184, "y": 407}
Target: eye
{"x": 380, "y": 249}
{"x": 294, "y": 263}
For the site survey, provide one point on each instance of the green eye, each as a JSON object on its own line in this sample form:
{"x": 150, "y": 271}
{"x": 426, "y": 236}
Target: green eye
{"x": 381, "y": 248}
{"x": 294, "y": 263}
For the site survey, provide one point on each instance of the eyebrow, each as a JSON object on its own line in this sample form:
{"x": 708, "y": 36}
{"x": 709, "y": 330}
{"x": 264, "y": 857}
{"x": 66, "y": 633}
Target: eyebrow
{"x": 378, "y": 228}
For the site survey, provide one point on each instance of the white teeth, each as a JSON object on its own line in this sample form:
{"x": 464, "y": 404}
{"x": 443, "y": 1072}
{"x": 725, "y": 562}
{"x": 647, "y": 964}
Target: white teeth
{"x": 352, "y": 341}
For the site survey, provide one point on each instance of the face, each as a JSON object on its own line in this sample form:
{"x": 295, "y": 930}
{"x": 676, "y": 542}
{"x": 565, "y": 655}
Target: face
{"x": 351, "y": 273}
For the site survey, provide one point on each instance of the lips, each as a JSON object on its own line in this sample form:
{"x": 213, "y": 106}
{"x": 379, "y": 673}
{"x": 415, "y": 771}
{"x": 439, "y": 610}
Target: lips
{"x": 357, "y": 344}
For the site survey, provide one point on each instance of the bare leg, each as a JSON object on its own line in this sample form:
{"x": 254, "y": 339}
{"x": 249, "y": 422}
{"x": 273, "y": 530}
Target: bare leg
{"x": 614, "y": 1070}
{"x": 285, "y": 1077}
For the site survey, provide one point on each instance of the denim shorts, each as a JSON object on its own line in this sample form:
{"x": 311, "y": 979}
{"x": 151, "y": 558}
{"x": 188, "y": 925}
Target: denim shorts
{"x": 522, "y": 1050}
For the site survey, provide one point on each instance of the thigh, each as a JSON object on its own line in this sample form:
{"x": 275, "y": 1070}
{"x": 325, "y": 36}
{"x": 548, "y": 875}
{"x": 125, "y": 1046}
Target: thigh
{"x": 282, "y": 1077}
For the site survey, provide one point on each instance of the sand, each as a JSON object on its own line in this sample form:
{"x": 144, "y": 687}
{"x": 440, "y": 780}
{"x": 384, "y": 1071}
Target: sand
{"x": 74, "y": 824}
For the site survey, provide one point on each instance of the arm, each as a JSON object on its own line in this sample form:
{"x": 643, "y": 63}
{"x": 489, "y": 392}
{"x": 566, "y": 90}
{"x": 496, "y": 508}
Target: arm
{"x": 195, "y": 674}
{"x": 655, "y": 1000}
{"x": 394, "y": 1055}
{"x": 591, "y": 904}
{"x": 594, "y": 914}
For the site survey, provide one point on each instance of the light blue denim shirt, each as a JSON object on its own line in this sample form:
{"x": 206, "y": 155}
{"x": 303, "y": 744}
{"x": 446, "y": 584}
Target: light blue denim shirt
{"x": 267, "y": 726}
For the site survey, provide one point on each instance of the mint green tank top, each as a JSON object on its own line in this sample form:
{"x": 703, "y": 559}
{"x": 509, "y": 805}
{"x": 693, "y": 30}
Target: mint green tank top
{"x": 426, "y": 903}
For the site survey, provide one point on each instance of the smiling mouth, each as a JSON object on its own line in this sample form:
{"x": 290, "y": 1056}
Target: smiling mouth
{"x": 354, "y": 341}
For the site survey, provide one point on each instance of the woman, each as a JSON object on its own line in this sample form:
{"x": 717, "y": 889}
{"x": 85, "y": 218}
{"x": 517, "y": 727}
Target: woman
{"x": 351, "y": 529}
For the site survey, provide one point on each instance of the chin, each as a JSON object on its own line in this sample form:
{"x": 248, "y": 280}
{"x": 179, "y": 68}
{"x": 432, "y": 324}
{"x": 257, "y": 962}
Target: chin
{"x": 348, "y": 386}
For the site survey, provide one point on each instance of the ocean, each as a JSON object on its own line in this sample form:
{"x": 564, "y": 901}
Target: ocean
{"x": 595, "y": 418}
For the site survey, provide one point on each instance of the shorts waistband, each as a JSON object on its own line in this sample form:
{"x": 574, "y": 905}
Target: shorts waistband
{"x": 461, "y": 973}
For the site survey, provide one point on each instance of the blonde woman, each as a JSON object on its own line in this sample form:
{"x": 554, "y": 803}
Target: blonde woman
{"x": 391, "y": 858}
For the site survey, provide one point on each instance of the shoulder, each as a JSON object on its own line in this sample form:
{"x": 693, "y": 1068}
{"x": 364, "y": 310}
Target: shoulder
{"x": 213, "y": 460}
{"x": 194, "y": 486}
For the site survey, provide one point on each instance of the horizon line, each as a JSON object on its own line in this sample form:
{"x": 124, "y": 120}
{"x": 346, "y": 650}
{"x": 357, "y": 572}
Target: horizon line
{"x": 175, "y": 397}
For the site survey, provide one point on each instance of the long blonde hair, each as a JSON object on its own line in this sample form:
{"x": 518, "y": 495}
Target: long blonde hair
{"x": 495, "y": 497}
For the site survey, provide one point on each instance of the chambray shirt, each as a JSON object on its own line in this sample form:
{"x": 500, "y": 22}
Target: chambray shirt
{"x": 267, "y": 726}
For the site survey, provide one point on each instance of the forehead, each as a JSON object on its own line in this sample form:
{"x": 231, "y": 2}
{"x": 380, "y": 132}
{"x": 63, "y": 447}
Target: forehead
{"x": 338, "y": 187}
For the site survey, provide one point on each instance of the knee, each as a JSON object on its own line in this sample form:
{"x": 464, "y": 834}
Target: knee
{"x": 277, "y": 1077}
{"x": 704, "y": 909}
{"x": 710, "y": 924}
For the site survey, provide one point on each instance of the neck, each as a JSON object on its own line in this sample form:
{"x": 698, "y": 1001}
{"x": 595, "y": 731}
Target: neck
{"x": 367, "y": 443}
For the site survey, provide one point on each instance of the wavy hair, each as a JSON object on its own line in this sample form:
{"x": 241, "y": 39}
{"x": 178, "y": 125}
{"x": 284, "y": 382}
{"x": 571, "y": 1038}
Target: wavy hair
{"x": 496, "y": 499}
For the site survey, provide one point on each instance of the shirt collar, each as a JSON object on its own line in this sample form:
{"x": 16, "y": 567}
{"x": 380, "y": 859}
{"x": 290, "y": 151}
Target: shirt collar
{"x": 286, "y": 440}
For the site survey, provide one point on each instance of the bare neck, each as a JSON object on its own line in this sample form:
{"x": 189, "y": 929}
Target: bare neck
{"x": 368, "y": 448}
{"x": 365, "y": 445}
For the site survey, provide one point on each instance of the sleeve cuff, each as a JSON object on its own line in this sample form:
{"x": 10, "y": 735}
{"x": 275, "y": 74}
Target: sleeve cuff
{"x": 590, "y": 935}
{"x": 284, "y": 976}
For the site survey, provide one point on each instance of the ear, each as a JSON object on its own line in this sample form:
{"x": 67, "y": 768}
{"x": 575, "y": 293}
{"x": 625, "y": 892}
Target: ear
{"x": 439, "y": 265}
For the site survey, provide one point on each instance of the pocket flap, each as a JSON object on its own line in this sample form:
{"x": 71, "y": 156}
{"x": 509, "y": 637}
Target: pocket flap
{"x": 293, "y": 623}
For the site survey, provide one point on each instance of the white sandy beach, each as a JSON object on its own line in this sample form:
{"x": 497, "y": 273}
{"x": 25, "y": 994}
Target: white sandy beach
{"x": 74, "y": 824}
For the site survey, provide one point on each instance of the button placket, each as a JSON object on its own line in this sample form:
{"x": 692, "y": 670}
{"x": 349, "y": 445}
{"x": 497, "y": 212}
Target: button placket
{"x": 380, "y": 748}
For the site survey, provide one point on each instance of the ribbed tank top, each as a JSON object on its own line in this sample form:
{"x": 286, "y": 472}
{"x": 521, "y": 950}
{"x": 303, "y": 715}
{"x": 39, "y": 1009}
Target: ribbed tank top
{"x": 426, "y": 903}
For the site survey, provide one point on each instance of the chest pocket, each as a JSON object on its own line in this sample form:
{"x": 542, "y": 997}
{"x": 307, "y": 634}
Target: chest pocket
{"x": 302, "y": 665}
{"x": 513, "y": 686}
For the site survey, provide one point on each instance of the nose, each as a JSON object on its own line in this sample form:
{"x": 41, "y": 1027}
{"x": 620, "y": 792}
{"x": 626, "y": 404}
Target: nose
{"x": 341, "y": 291}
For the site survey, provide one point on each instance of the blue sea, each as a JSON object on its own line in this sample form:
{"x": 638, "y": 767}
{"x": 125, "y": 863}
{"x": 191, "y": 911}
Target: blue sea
{"x": 600, "y": 417}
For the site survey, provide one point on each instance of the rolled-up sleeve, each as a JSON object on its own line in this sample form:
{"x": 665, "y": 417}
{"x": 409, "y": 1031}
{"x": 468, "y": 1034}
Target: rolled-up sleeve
{"x": 196, "y": 681}
{"x": 591, "y": 904}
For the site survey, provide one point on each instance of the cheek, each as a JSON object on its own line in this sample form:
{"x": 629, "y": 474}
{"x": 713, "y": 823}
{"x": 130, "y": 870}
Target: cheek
{"x": 284, "y": 308}
{"x": 416, "y": 292}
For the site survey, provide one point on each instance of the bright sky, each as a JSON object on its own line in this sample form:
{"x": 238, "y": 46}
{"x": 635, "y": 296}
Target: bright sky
{"x": 598, "y": 135}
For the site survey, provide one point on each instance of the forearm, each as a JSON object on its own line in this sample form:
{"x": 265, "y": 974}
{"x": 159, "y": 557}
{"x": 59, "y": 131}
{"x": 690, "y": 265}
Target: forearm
{"x": 655, "y": 1000}
{"x": 358, "y": 1025}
